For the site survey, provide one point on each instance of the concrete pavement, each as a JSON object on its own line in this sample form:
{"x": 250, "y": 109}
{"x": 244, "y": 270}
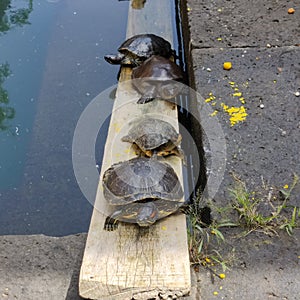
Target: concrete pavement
{"x": 257, "y": 104}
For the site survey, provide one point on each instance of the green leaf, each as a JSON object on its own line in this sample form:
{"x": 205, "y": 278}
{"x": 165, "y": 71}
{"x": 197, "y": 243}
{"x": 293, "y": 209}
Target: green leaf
{"x": 219, "y": 234}
{"x": 200, "y": 247}
{"x": 229, "y": 224}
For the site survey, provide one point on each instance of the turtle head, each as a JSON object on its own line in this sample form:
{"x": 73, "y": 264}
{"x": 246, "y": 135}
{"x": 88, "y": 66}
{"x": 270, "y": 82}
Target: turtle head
{"x": 114, "y": 59}
{"x": 147, "y": 214}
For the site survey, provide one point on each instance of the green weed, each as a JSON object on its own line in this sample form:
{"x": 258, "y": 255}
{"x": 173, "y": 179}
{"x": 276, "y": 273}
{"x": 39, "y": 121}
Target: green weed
{"x": 204, "y": 239}
{"x": 250, "y": 217}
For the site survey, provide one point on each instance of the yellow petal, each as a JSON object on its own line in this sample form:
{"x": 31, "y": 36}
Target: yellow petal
{"x": 227, "y": 65}
{"x": 239, "y": 94}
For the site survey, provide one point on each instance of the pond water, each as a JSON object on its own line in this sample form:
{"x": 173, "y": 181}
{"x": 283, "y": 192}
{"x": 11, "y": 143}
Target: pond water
{"x": 51, "y": 67}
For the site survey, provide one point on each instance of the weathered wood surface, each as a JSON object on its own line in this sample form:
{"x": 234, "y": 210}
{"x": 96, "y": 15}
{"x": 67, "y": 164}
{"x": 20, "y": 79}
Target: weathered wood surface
{"x": 132, "y": 262}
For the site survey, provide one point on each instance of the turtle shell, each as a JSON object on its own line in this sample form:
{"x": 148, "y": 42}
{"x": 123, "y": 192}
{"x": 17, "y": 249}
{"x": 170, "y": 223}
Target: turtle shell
{"x": 146, "y": 45}
{"x": 157, "y": 77}
{"x": 138, "y": 48}
{"x": 158, "y": 68}
{"x": 151, "y": 134}
{"x": 141, "y": 178}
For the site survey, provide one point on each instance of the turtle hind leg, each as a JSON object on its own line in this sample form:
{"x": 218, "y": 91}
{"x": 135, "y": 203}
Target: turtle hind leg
{"x": 166, "y": 150}
{"x": 180, "y": 153}
{"x": 110, "y": 224}
{"x": 172, "y": 149}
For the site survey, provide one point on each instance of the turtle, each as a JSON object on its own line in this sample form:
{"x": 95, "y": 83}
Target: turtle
{"x": 157, "y": 77}
{"x": 142, "y": 190}
{"x": 138, "y": 4}
{"x": 140, "y": 47}
{"x": 154, "y": 136}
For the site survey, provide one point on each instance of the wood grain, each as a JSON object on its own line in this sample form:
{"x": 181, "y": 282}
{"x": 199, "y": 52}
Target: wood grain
{"x": 134, "y": 262}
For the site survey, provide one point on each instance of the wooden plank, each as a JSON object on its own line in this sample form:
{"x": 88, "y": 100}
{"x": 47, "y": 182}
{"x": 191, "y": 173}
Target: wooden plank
{"x": 132, "y": 262}
{"x": 155, "y": 18}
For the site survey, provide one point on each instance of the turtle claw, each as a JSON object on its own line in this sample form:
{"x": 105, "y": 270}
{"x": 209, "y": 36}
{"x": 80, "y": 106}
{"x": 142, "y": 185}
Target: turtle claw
{"x": 110, "y": 224}
{"x": 145, "y": 99}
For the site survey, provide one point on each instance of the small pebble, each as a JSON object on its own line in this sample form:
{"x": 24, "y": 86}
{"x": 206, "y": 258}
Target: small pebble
{"x": 297, "y": 94}
{"x": 261, "y": 105}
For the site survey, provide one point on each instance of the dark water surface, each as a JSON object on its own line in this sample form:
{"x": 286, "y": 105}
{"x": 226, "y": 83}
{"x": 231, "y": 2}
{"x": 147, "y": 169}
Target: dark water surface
{"x": 51, "y": 67}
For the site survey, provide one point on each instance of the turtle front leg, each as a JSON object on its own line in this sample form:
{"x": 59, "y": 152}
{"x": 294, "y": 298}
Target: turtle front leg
{"x": 148, "y": 96}
{"x": 145, "y": 99}
{"x": 110, "y": 224}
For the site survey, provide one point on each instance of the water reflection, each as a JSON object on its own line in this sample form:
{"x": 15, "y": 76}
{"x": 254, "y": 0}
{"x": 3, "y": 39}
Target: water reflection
{"x": 54, "y": 69}
{"x": 11, "y": 16}
{"x": 6, "y": 112}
